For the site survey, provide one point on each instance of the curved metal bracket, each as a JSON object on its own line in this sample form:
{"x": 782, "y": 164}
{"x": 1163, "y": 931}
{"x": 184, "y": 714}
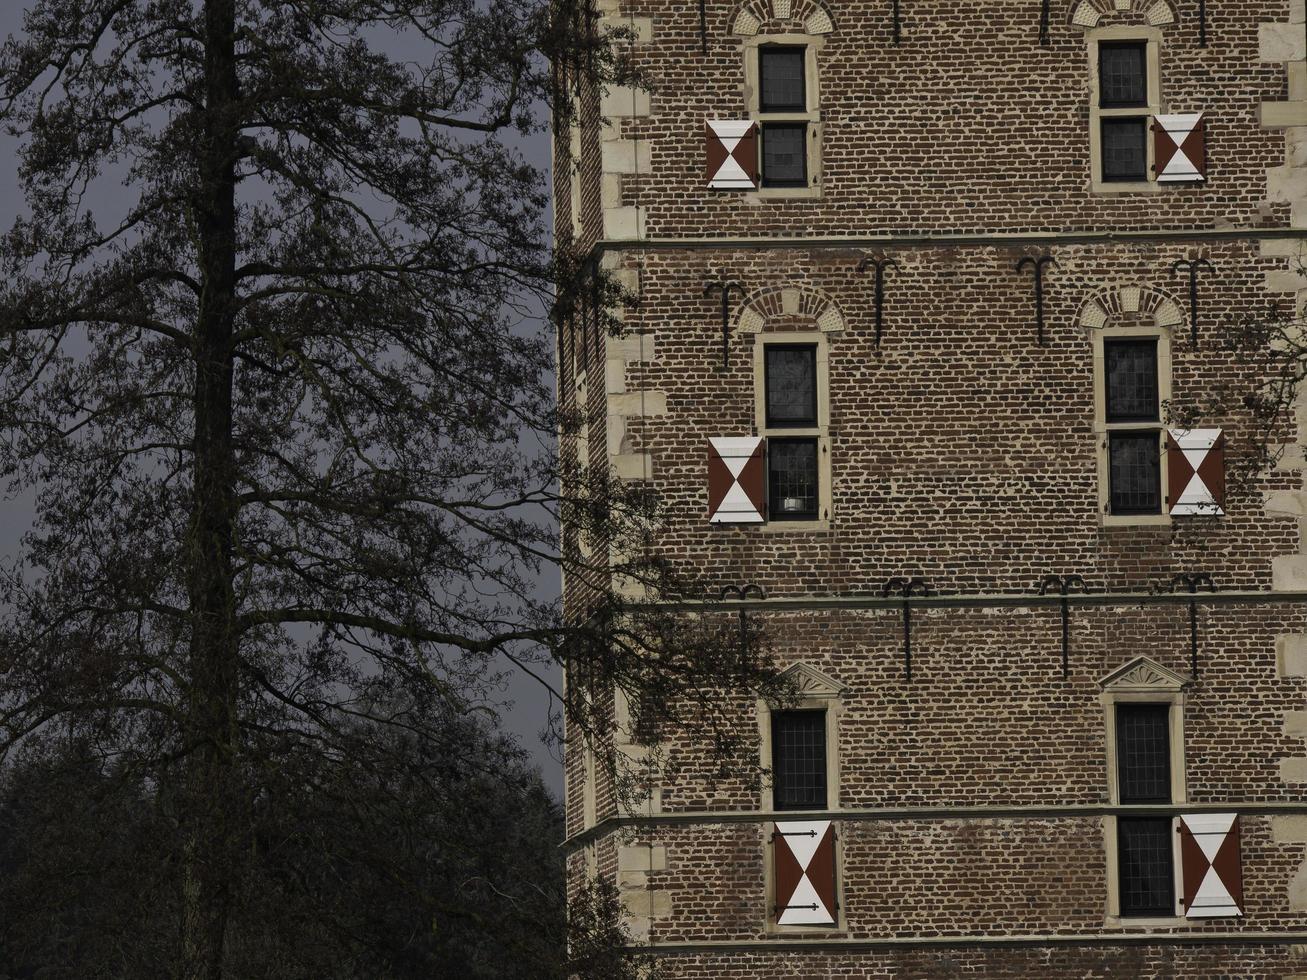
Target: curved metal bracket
{"x": 1063, "y": 584}
{"x": 1038, "y": 265}
{"x": 907, "y": 588}
{"x": 880, "y": 265}
{"x": 1192, "y": 584}
{"x": 725, "y": 287}
{"x": 742, "y": 592}
{"x": 1192, "y": 266}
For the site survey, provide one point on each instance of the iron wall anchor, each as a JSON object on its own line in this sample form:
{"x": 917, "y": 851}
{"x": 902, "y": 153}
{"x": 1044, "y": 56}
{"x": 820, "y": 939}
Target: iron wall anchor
{"x": 1192, "y": 266}
{"x": 1192, "y": 584}
{"x": 1038, "y": 264}
{"x": 742, "y": 592}
{"x": 1063, "y": 585}
{"x": 907, "y": 588}
{"x": 725, "y": 287}
{"x": 879, "y": 265}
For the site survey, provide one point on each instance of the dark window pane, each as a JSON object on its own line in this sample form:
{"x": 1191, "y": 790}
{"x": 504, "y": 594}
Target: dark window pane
{"x": 1134, "y": 472}
{"x": 784, "y": 156}
{"x": 1143, "y": 752}
{"x": 791, "y": 385}
{"x": 1146, "y": 866}
{"x": 1131, "y": 370}
{"x": 1125, "y": 156}
{"x": 792, "y": 479}
{"x": 1122, "y": 76}
{"x": 781, "y": 70}
{"x": 799, "y": 760}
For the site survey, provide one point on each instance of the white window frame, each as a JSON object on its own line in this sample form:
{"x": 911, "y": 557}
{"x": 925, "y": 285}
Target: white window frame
{"x": 812, "y": 45}
{"x": 1143, "y": 681}
{"x": 1102, "y": 428}
{"x": 821, "y": 431}
{"x": 1152, "y": 37}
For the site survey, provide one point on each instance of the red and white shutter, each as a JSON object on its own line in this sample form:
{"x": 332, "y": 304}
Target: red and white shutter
{"x": 1180, "y": 148}
{"x": 736, "y": 480}
{"x": 732, "y": 152}
{"x": 1195, "y": 467}
{"x": 1211, "y": 865}
{"x": 804, "y": 852}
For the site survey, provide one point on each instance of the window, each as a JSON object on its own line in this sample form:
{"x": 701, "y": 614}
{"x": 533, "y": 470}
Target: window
{"x": 1145, "y": 845}
{"x": 1132, "y": 416}
{"x": 799, "y": 760}
{"x": 782, "y": 70}
{"x": 781, "y": 83}
{"x": 790, "y": 386}
{"x": 1125, "y": 93}
{"x": 784, "y": 155}
{"x": 1143, "y": 705}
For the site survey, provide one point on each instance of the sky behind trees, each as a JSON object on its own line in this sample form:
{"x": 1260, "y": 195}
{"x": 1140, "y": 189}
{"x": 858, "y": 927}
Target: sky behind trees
{"x": 526, "y": 704}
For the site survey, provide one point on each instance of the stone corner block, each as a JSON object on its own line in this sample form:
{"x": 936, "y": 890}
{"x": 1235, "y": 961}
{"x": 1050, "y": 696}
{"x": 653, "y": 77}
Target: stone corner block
{"x": 624, "y": 100}
{"x": 624, "y": 223}
{"x": 1278, "y": 115}
{"x": 642, "y": 857}
{"x": 1281, "y": 42}
{"x": 1291, "y": 655}
{"x": 1289, "y": 573}
{"x": 1293, "y": 770}
{"x": 632, "y": 466}
{"x": 638, "y": 403}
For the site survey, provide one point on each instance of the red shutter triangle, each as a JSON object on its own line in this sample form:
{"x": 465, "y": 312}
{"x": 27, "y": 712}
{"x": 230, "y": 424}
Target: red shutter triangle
{"x": 1212, "y": 865}
{"x": 1180, "y": 148}
{"x": 732, "y": 149}
{"x": 804, "y": 852}
{"x": 1195, "y": 471}
{"x": 736, "y": 480}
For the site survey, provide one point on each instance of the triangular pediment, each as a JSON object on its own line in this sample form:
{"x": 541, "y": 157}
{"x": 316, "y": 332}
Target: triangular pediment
{"x": 1142, "y": 674}
{"x": 809, "y": 682}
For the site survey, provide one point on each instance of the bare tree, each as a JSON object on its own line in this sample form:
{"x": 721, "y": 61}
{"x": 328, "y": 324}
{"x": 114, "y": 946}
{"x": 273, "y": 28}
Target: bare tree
{"x": 283, "y": 405}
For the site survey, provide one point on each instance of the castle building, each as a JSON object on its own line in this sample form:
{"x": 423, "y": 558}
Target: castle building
{"x": 927, "y": 371}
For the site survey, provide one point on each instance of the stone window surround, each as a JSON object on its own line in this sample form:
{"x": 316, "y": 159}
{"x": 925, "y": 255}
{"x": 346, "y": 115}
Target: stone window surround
{"x": 1102, "y": 427}
{"x": 818, "y": 339}
{"x": 1142, "y": 681}
{"x": 811, "y": 44}
{"x": 815, "y": 691}
{"x": 1153, "y": 37}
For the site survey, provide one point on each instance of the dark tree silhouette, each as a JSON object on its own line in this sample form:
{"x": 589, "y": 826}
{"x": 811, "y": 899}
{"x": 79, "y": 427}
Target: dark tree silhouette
{"x": 285, "y": 411}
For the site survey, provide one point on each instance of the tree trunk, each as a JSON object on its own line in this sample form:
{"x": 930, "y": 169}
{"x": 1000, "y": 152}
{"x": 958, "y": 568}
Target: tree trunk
{"x": 212, "y": 808}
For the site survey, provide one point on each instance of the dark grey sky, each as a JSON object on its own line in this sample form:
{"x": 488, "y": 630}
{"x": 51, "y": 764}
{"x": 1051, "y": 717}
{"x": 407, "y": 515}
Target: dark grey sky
{"x": 526, "y": 705}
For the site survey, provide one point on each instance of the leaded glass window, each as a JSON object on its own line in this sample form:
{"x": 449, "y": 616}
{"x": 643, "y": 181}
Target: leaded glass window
{"x": 1131, "y": 380}
{"x": 781, "y": 71}
{"x": 1146, "y": 865}
{"x": 798, "y": 760}
{"x": 1143, "y": 752}
{"x": 792, "y": 479}
{"x": 1134, "y": 472}
{"x": 791, "y": 373}
{"x": 1125, "y": 149}
{"x": 1122, "y": 74}
{"x": 784, "y": 154}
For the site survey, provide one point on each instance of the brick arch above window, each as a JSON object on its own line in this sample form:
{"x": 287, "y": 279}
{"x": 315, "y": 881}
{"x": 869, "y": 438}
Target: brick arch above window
{"x": 789, "y": 301}
{"x": 1109, "y": 306}
{"x": 783, "y": 15}
{"x": 1095, "y": 13}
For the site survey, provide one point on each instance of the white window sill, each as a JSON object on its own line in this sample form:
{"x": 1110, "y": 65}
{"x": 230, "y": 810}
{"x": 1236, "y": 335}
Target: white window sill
{"x": 1136, "y": 520}
{"x": 782, "y": 527}
{"x": 1145, "y": 922}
